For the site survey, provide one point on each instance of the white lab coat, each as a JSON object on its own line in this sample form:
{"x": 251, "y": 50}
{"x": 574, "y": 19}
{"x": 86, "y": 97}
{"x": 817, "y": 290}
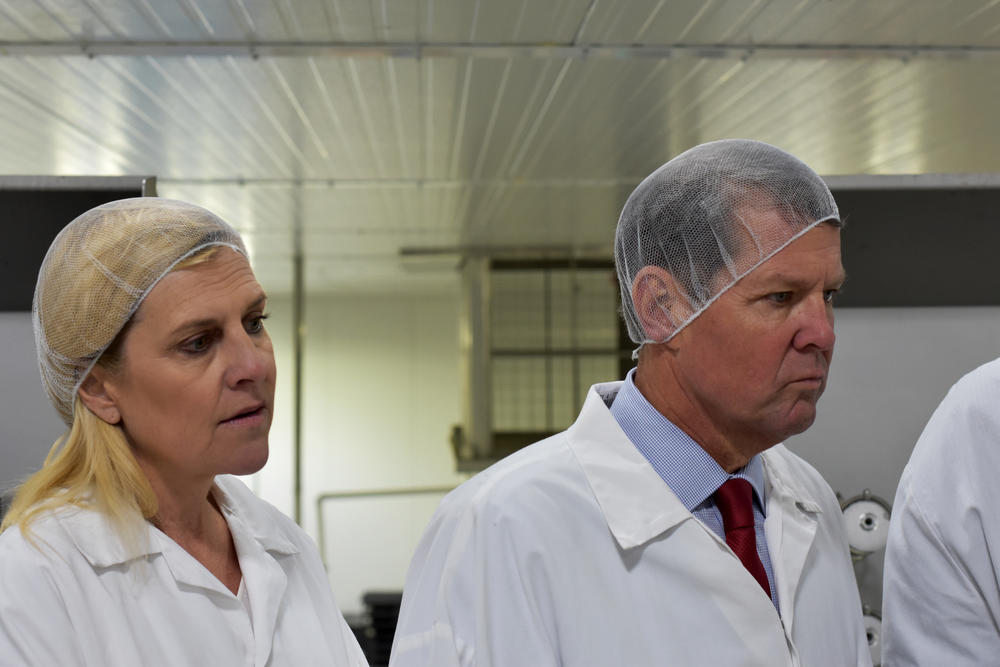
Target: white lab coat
{"x": 941, "y": 598}
{"x": 574, "y": 552}
{"x": 79, "y": 601}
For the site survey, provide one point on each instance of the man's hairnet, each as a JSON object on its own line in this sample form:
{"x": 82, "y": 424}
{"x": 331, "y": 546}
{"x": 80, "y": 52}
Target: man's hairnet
{"x": 709, "y": 217}
{"x": 97, "y": 272}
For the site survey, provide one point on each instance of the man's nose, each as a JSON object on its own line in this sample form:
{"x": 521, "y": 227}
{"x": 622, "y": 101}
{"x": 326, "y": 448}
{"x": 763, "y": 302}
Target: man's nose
{"x": 816, "y": 327}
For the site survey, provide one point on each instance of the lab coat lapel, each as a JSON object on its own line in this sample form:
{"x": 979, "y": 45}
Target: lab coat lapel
{"x": 259, "y": 549}
{"x": 790, "y": 527}
{"x": 635, "y": 501}
{"x": 265, "y": 583}
{"x": 185, "y": 568}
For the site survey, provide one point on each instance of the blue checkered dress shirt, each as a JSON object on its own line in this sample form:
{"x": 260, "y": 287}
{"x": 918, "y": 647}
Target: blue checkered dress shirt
{"x": 686, "y": 468}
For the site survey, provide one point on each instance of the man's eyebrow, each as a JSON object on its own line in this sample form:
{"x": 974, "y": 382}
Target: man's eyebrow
{"x": 793, "y": 281}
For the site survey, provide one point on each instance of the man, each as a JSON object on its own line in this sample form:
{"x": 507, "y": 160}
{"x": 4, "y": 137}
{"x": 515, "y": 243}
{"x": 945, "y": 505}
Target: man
{"x": 666, "y": 526}
{"x": 941, "y": 598}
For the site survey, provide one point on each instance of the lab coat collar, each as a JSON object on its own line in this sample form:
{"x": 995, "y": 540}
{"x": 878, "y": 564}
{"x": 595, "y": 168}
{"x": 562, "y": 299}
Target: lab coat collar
{"x": 784, "y": 482}
{"x": 636, "y": 503}
{"x": 227, "y": 492}
{"x": 97, "y": 539}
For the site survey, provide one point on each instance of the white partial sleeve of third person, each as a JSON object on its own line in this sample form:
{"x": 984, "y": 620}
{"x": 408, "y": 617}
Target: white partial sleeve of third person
{"x": 940, "y": 595}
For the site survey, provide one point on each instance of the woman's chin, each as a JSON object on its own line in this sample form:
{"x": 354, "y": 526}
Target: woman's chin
{"x": 251, "y": 461}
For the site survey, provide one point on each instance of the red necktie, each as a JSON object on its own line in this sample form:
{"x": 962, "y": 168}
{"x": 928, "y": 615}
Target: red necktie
{"x": 735, "y": 500}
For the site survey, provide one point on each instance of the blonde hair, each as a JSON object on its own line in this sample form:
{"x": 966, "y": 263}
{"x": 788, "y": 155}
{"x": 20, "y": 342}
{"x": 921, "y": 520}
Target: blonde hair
{"x": 92, "y": 465}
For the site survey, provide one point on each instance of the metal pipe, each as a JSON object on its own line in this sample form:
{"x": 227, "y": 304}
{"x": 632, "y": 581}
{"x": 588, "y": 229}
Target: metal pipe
{"x": 574, "y": 341}
{"x": 402, "y": 183}
{"x": 549, "y": 379}
{"x": 298, "y": 342}
{"x": 366, "y": 493}
{"x": 849, "y": 182}
{"x": 420, "y": 50}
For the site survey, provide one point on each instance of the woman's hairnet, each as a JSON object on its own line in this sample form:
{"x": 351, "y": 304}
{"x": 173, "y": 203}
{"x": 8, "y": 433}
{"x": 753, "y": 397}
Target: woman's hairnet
{"x": 709, "y": 217}
{"x": 97, "y": 272}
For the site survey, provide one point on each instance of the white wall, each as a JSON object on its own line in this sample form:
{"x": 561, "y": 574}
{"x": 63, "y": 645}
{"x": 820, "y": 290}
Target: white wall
{"x": 275, "y": 481}
{"x": 29, "y": 425}
{"x": 891, "y": 368}
{"x": 381, "y": 393}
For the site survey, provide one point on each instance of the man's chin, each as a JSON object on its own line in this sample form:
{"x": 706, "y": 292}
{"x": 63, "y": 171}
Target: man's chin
{"x": 782, "y": 426}
{"x": 799, "y": 419}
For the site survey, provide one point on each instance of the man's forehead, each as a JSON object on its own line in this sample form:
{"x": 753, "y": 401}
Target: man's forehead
{"x": 786, "y": 265}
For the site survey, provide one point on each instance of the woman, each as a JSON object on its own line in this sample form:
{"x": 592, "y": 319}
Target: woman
{"x": 131, "y": 546}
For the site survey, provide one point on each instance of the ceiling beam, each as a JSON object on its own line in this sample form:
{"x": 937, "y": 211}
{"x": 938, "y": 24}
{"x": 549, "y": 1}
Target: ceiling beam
{"x": 416, "y": 50}
{"x": 406, "y": 183}
{"x": 969, "y": 180}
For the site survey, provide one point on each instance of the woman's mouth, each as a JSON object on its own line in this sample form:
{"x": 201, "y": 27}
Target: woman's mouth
{"x": 251, "y": 417}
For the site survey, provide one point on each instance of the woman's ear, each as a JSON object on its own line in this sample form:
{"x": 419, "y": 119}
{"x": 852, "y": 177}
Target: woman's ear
{"x": 659, "y": 303}
{"x": 97, "y": 393}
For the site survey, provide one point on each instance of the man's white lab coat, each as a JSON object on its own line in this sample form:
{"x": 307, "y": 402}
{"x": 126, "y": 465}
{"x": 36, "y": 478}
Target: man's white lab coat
{"x": 574, "y": 552}
{"x": 941, "y": 599}
{"x": 79, "y": 600}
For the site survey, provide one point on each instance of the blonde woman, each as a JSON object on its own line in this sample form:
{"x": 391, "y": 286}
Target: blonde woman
{"x": 132, "y": 545}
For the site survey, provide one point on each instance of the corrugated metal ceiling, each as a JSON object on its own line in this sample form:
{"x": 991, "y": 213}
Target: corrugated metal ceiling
{"x": 374, "y": 126}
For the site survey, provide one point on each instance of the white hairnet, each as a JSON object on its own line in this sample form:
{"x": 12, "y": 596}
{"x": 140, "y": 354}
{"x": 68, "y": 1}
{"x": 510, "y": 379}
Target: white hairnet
{"x": 97, "y": 272}
{"x": 709, "y": 217}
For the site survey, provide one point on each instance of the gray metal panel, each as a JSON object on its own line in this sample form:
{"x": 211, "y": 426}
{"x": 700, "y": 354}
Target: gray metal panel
{"x": 919, "y": 246}
{"x": 36, "y": 208}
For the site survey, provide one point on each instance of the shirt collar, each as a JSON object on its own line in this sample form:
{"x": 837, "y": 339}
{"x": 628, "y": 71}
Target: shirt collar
{"x": 690, "y": 472}
{"x": 634, "y": 500}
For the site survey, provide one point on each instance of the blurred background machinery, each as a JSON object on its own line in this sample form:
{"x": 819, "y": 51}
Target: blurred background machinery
{"x": 866, "y": 522}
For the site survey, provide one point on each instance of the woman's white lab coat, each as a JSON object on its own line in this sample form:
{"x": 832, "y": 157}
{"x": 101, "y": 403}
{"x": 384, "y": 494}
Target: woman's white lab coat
{"x": 941, "y": 600}
{"x": 574, "y": 552}
{"x": 78, "y": 600}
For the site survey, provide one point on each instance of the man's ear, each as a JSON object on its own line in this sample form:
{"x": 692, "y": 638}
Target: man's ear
{"x": 98, "y": 395}
{"x": 659, "y": 302}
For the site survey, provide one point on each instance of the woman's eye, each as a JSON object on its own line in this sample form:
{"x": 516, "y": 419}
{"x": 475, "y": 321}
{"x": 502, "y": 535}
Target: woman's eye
{"x": 197, "y": 344}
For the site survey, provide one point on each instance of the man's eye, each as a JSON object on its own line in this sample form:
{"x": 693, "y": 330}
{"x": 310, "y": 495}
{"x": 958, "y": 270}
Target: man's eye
{"x": 255, "y": 325}
{"x": 779, "y": 297}
{"x": 829, "y": 294}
